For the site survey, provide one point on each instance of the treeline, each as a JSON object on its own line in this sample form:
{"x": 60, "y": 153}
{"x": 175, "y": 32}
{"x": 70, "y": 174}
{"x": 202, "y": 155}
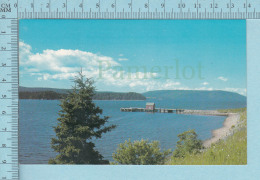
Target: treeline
{"x": 118, "y": 96}
{"x": 51, "y": 95}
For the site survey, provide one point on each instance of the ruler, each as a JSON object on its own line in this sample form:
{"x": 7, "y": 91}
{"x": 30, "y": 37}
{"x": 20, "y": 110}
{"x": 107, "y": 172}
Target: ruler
{"x": 139, "y": 9}
{"x": 12, "y": 10}
{"x": 9, "y": 90}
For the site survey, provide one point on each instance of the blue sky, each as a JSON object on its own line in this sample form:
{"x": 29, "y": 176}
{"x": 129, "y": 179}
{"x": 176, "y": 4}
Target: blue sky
{"x": 135, "y": 55}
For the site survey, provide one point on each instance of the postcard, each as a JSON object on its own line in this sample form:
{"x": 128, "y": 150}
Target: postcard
{"x": 133, "y": 92}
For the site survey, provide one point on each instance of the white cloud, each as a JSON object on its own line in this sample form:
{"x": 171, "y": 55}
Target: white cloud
{"x": 222, "y": 78}
{"x": 64, "y": 64}
{"x": 241, "y": 91}
{"x": 61, "y": 64}
{"x": 204, "y": 88}
{"x": 122, "y": 59}
{"x": 205, "y": 83}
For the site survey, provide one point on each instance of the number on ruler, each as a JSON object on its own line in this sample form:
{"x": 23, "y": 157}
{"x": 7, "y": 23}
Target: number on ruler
{"x": 247, "y": 5}
{"x": 4, "y": 129}
{"x": 3, "y": 64}
{"x": 3, "y": 79}
{"x": 197, "y": 5}
{"x": 113, "y": 5}
{"x": 3, "y": 48}
{"x": 181, "y": 5}
{"x": 4, "y": 161}
{"x": 63, "y": 5}
{"x": 48, "y": 5}
{"x": 3, "y": 112}
{"x": 3, "y": 96}
{"x": 3, "y": 145}
{"x": 146, "y": 5}
{"x": 32, "y": 5}
{"x": 97, "y": 5}
{"x": 232, "y": 5}
{"x": 129, "y": 5}
{"x": 162, "y": 5}
{"x": 213, "y": 5}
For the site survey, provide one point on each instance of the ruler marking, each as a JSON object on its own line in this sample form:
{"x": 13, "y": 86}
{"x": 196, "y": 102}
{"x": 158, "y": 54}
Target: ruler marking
{"x": 246, "y": 8}
{"x": 12, "y": 117}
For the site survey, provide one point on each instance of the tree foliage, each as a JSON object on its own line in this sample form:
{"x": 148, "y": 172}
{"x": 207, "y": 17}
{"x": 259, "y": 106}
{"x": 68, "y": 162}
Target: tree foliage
{"x": 140, "y": 153}
{"x": 118, "y": 96}
{"x": 188, "y": 143}
{"x": 97, "y": 96}
{"x": 80, "y": 120}
{"x": 49, "y": 95}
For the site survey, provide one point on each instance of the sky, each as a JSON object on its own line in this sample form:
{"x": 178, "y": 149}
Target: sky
{"x": 135, "y": 55}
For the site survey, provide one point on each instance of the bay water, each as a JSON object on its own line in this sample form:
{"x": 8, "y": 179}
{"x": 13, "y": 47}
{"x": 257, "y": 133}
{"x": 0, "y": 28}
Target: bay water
{"x": 38, "y": 117}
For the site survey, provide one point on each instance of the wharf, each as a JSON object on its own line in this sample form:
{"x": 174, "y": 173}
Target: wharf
{"x": 158, "y": 110}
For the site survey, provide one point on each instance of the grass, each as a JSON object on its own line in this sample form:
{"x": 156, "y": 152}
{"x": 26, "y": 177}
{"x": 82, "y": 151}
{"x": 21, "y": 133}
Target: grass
{"x": 239, "y": 110}
{"x": 230, "y": 151}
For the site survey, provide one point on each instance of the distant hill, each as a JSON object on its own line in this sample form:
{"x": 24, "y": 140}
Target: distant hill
{"x": 38, "y": 89}
{"x": 176, "y": 95}
{"x": 52, "y": 93}
{"x": 195, "y": 95}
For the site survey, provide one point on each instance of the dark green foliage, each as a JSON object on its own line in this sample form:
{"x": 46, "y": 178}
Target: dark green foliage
{"x": 118, "y": 96}
{"x": 49, "y": 95}
{"x": 140, "y": 153}
{"x": 187, "y": 144}
{"x": 52, "y": 94}
{"x": 232, "y": 150}
{"x": 80, "y": 121}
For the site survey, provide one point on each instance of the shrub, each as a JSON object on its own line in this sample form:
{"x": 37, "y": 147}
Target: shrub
{"x": 229, "y": 151}
{"x": 140, "y": 153}
{"x": 188, "y": 144}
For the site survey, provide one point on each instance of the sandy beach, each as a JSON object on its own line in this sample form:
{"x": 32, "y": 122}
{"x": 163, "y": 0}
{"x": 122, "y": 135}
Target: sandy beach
{"x": 218, "y": 134}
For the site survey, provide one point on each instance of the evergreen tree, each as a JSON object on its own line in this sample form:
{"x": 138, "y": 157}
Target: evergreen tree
{"x": 80, "y": 120}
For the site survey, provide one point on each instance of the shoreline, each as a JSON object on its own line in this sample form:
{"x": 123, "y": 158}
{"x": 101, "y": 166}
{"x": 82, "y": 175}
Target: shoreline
{"x": 204, "y": 112}
{"x": 220, "y": 133}
{"x": 93, "y": 100}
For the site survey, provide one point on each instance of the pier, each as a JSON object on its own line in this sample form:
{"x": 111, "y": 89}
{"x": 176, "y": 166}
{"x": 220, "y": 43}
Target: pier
{"x": 157, "y": 110}
{"x": 150, "y": 107}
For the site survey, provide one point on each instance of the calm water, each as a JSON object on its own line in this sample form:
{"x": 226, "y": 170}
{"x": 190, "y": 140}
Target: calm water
{"x": 37, "y": 118}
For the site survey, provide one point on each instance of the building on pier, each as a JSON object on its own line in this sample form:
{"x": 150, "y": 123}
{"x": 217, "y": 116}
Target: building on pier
{"x": 150, "y": 106}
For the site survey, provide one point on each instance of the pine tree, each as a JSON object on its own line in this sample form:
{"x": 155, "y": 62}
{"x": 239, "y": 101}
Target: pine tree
{"x": 80, "y": 120}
